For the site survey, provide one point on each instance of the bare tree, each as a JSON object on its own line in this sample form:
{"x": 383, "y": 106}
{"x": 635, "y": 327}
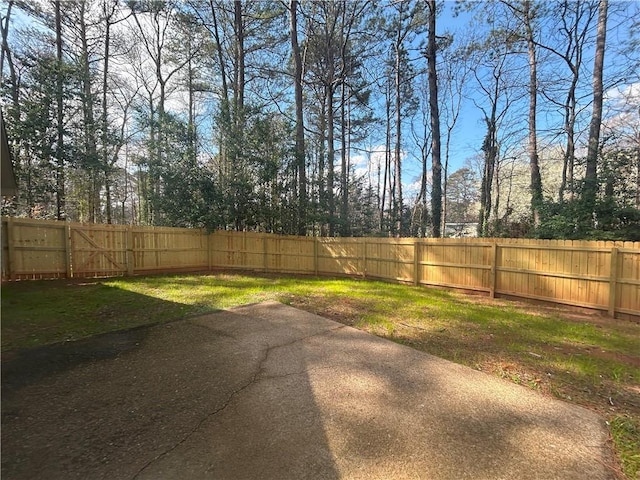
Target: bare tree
{"x": 536, "y": 179}
{"x": 591, "y": 175}
{"x": 7, "y": 56}
{"x": 454, "y": 73}
{"x": 60, "y": 154}
{"x": 436, "y": 161}
{"x": 108, "y": 14}
{"x": 491, "y": 74}
{"x": 300, "y": 145}
{"x": 154, "y": 22}
{"x": 571, "y": 21}
{"x": 87, "y": 97}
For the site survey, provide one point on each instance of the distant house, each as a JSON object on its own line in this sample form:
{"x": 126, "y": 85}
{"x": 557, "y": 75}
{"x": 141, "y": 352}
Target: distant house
{"x": 457, "y": 230}
{"x": 7, "y": 178}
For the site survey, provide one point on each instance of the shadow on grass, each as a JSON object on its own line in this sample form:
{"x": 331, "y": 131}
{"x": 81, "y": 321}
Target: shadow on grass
{"x": 71, "y": 323}
{"x": 40, "y": 313}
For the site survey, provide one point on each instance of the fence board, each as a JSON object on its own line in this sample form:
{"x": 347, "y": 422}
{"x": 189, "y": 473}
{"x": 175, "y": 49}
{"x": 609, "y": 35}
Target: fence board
{"x": 37, "y": 249}
{"x": 98, "y": 250}
{"x": 579, "y": 273}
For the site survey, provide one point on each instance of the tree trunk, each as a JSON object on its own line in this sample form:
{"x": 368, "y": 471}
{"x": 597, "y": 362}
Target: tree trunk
{"x": 344, "y": 170}
{"x": 300, "y": 152}
{"x": 591, "y": 176}
{"x": 490, "y": 154}
{"x": 569, "y": 126}
{"x": 90, "y": 144}
{"x": 237, "y": 157}
{"x": 397, "y": 205}
{"x": 5, "y": 55}
{"x": 445, "y": 183}
{"x": 421, "y": 202}
{"x": 60, "y": 177}
{"x": 151, "y": 180}
{"x": 239, "y": 68}
{"x": 223, "y": 73}
{"x": 436, "y": 161}
{"x": 569, "y": 153}
{"x": 104, "y": 118}
{"x": 192, "y": 133}
{"x": 387, "y": 154}
{"x": 322, "y": 196}
{"x": 576, "y": 17}
{"x": 225, "y": 120}
{"x": 536, "y": 179}
{"x": 330, "y": 160}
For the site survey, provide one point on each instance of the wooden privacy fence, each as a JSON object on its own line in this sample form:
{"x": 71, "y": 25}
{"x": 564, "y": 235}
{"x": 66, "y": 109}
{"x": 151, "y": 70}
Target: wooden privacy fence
{"x": 33, "y": 249}
{"x": 599, "y": 275}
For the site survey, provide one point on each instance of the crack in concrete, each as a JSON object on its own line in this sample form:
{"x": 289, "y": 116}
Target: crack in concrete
{"x": 208, "y": 416}
{"x": 293, "y": 342}
{"x": 293, "y": 374}
{"x": 260, "y": 368}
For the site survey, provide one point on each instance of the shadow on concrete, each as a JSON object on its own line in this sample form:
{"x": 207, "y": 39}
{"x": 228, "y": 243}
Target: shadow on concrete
{"x": 26, "y": 366}
{"x": 394, "y": 412}
{"x": 270, "y": 392}
{"x": 179, "y": 400}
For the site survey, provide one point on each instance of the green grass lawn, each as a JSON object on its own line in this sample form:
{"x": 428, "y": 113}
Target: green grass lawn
{"x": 589, "y": 360}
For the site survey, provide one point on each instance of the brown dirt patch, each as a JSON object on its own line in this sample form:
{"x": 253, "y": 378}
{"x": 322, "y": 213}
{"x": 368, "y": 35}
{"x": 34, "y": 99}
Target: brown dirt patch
{"x": 593, "y": 351}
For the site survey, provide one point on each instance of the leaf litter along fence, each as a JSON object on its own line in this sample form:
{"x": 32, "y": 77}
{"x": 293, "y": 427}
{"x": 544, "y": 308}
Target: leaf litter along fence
{"x": 598, "y": 275}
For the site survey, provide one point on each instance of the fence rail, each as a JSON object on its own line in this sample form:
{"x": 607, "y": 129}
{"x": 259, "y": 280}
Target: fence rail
{"x": 599, "y": 275}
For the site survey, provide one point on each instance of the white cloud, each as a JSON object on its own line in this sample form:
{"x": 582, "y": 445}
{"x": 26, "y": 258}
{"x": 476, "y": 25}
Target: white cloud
{"x": 623, "y": 93}
{"x": 372, "y": 161}
{"x": 622, "y": 108}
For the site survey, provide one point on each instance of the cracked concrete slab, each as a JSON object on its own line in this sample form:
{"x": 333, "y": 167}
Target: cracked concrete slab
{"x": 266, "y": 391}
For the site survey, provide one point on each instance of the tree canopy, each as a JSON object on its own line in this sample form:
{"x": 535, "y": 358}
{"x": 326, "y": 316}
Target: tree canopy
{"x": 349, "y": 117}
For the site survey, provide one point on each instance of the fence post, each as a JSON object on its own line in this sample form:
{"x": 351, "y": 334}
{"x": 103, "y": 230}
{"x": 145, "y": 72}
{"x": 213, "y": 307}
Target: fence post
{"x": 265, "y": 260}
{"x": 613, "y": 274}
{"x": 130, "y": 256}
{"x": 493, "y": 274}
{"x": 364, "y": 257}
{"x": 315, "y": 255}
{"x": 67, "y": 250}
{"x": 10, "y": 251}
{"x": 416, "y": 263}
{"x": 209, "y": 252}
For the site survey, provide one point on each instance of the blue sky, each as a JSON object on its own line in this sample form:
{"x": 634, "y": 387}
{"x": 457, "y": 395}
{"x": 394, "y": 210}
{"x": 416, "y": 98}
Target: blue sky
{"x": 470, "y": 129}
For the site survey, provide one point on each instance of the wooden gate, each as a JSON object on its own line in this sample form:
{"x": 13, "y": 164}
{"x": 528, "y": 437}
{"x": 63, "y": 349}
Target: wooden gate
{"x": 98, "y": 250}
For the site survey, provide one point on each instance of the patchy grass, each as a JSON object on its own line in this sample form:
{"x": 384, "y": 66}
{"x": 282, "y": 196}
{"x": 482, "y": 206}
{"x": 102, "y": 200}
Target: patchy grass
{"x": 589, "y": 360}
{"x": 626, "y": 432}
